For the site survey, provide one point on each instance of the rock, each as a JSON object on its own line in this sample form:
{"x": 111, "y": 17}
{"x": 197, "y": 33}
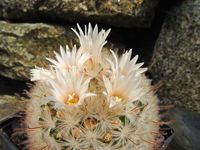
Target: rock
{"x": 187, "y": 130}
{"x": 9, "y": 105}
{"x": 23, "y": 46}
{"x": 124, "y": 13}
{"x": 23, "y": 9}
{"x": 176, "y": 58}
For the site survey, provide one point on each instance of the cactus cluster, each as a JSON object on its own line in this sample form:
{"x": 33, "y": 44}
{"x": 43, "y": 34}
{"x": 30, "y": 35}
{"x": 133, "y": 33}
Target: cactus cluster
{"x": 88, "y": 99}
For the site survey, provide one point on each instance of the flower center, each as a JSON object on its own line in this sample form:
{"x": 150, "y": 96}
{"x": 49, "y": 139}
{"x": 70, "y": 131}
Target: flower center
{"x": 72, "y": 99}
{"x": 117, "y": 96}
{"x": 118, "y": 99}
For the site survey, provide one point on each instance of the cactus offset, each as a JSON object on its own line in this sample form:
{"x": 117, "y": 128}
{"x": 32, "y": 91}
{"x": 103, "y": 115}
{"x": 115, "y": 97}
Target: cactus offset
{"x": 88, "y": 99}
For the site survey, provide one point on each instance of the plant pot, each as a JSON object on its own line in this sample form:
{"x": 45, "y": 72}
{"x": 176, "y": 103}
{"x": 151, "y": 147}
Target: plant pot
{"x": 168, "y": 134}
{"x": 5, "y": 140}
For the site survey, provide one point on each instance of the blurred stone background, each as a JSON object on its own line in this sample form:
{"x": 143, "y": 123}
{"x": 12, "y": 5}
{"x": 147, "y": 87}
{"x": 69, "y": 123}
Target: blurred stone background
{"x": 165, "y": 34}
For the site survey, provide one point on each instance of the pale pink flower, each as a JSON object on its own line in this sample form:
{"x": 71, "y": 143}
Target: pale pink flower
{"x": 69, "y": 58}
{"x": 92, "y": 41}
{"x": 125, "y": 65}
{"x": 122, "y": 89}
{"x": 70, "y": 88}
{"x": 41, "y": 74}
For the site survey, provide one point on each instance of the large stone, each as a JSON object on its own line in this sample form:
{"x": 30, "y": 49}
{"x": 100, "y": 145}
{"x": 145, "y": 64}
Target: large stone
{"x": 9, "y": 106}
{"x": 18, "y": 9}
{"x": 23, "y": 46}
{"x": 187, "y": 130}
{"x": 124, "y": 13}
{"x": 176, "y": 58}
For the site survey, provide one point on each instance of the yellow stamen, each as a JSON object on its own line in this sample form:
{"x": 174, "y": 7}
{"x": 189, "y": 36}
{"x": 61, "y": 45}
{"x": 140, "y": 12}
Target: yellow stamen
{"x": 72, "y": 99}
{"x": 118, "y": 99}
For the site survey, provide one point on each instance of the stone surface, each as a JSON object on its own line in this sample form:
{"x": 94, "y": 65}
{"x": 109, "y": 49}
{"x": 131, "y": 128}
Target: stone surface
{"x": 124, "y": 13}
{"x": 186, "y": 128}
{"x": 23, "y": 46}
{"x": 176, "y": 58}
{"x": 18, "y": 9}
{"x": 9, "y": 105}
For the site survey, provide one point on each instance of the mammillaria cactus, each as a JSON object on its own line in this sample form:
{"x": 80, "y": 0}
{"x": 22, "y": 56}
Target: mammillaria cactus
{"x": 90, "y": 100}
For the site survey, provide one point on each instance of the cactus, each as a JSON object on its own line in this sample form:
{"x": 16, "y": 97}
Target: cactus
{"x": 88, "y": 99}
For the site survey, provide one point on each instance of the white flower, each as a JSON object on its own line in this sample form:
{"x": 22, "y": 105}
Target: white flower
{"x": 122, "y": 89}
{"x": 92, "y": 41}
{"x": 68, "y": 59}
{"x": 41, "y": 74}
{"x": 70, "y": 88}
{"x": 125, "y": 65}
